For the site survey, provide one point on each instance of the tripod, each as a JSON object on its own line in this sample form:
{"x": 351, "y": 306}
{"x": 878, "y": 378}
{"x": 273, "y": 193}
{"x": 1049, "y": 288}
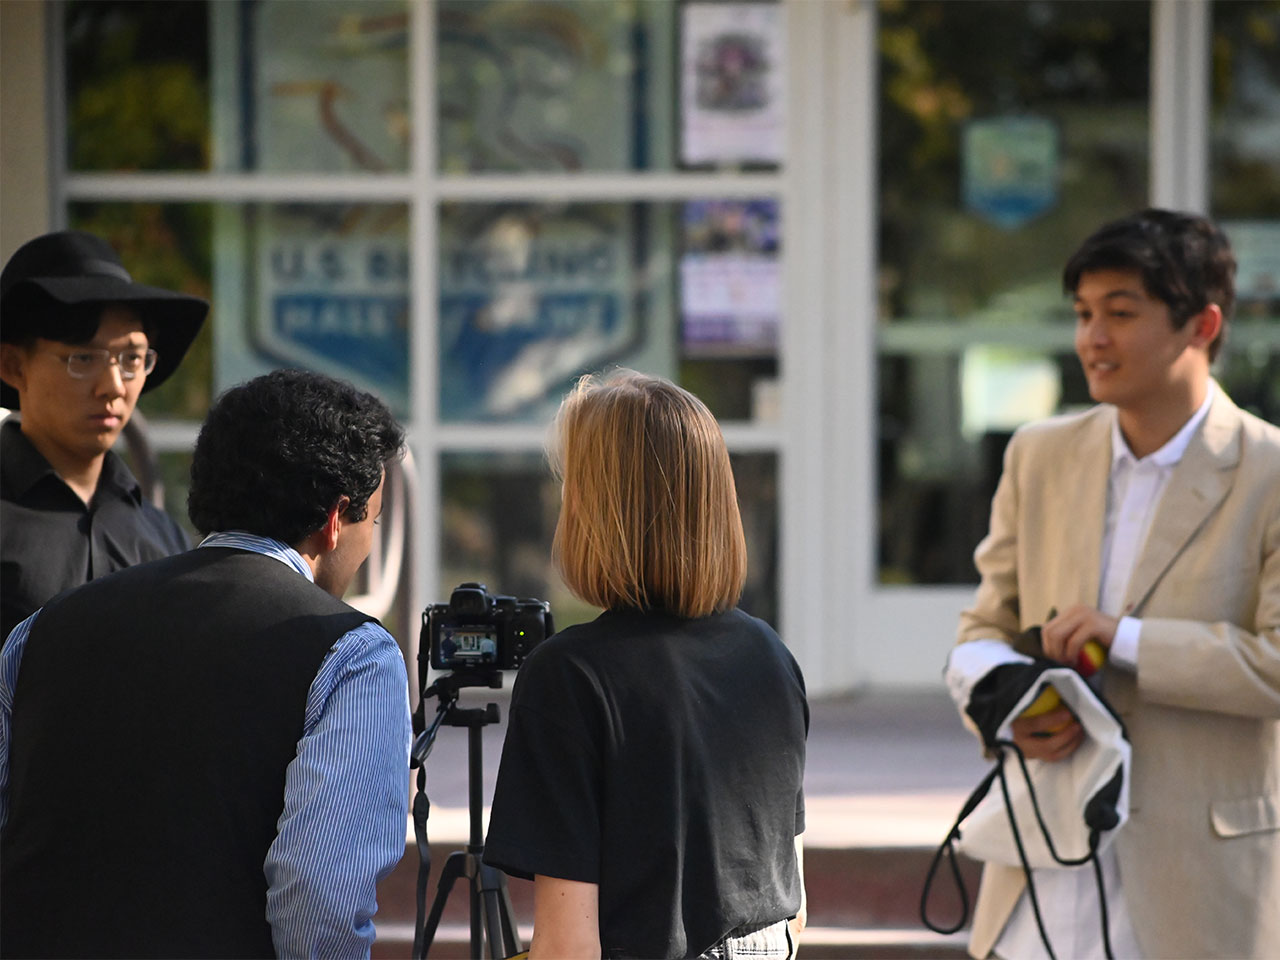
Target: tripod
{"x": 492, "y": 918}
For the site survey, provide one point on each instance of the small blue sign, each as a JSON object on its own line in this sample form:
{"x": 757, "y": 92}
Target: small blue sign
{"x": 1010, "y": 169}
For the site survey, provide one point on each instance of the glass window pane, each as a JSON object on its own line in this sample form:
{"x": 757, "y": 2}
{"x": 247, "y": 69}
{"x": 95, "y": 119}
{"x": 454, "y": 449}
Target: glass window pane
{"x": 497, "y": 517}
{"x": 534, "y": 295}
{"x": 313, "y": 85}
{"x": 316, "y": 285}
{"x": 499, "y": 512}
{"x": 175, "y": 476}
{"x": 756, "y": 478}
{"x": 1245, "y": 145}
{"x": 137, "y": 77}
{"x": 945, "y": 418}
{"x": 275, "y": 85}
{"x": 553, "y": 86}
{"x": 319, "y": 286}
{"x": 1008, "y": 132}
{"x": 170, "y": 246}
{"x": 170, "y": 471}
{"x": 1250, "y": 373}
{"x": 1245, "y": 190}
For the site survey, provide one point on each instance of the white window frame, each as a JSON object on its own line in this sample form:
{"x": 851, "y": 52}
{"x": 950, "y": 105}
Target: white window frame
{"x": 846, "y": 629}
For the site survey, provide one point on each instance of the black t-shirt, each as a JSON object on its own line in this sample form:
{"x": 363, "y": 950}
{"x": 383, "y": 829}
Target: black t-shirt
{"x": 661, "y": 758}
{"x": 50, "y": 541}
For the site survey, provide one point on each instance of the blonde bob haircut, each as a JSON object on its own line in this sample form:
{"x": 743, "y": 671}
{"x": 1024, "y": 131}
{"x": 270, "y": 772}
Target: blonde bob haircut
{"x": 649, "y": 517}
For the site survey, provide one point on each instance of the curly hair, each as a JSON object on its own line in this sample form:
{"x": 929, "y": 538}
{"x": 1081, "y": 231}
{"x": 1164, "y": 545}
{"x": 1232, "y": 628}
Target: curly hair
{"x": 1184, "y": 259}
{"x": 276, "y": 453}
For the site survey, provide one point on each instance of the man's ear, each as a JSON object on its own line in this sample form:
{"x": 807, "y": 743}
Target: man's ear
{"x": 1206, "y": 325}
{"x": 13, "y": 363}
{"x": 334, "y": 522}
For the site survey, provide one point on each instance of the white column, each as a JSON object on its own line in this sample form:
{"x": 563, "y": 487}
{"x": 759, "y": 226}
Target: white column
{"x": 29, "y": 130}
{"x": 1181, "y": 35}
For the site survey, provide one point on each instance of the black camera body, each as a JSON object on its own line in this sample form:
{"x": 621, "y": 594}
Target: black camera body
{"x": 477, "y": 632}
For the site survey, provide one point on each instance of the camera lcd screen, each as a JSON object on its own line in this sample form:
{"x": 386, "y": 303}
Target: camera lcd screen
{"x": 468, "y": 643}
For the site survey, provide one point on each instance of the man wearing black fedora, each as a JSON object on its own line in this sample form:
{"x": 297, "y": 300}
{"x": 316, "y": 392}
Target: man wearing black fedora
{"x": 79, "y": 341}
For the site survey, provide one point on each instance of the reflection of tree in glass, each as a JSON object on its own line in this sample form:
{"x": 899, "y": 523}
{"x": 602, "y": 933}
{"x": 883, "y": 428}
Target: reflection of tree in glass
{"x": 1245, "y": 160}
{"x": 137, "y": 85}
{"x": 1245, "y": 169}
{"x": 1083, "y": 64}
{"x": 137, "y": 99}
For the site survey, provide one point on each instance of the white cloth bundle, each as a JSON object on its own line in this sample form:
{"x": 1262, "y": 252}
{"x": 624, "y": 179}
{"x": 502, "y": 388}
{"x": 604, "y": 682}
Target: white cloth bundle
{"x": 1063, "y": 789}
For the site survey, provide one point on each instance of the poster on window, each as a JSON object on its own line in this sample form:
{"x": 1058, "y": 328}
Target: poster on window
{"x": 730, "y": 278}
{"x": 732, "y": 90}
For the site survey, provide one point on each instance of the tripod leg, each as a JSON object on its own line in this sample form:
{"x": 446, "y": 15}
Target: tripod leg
{"x": 509, "y": 928}
{"x": 454, "y": 867}
{"x": 500, "y": 920}
{"x": 477, "y": 913}
{"x": 496, "y": 928}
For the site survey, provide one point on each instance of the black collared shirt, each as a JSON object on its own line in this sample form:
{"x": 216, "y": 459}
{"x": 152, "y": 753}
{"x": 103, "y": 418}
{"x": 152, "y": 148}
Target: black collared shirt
{"x": 50, "y": 541}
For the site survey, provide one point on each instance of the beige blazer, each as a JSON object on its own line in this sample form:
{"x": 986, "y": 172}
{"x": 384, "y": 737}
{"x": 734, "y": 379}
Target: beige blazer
{"x": 1200, "y": 855}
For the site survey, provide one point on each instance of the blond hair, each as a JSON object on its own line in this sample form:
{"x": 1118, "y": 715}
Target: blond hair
{"x": 649, "y": 517}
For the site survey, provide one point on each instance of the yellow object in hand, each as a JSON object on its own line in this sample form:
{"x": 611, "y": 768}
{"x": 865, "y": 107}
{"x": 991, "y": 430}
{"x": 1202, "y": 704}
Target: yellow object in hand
{"x": 1048, "y": 700}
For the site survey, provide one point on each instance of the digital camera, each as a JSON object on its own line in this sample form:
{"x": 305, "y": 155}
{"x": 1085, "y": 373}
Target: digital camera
{"x": 479, "y": 632}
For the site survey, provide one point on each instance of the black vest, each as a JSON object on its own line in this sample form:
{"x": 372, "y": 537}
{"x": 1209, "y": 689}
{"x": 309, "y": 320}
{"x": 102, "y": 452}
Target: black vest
{"x": 155, "y": 714}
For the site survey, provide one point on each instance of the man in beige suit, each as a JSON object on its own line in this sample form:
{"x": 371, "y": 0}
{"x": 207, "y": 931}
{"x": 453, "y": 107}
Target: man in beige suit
{"x": 1151, "y": 524}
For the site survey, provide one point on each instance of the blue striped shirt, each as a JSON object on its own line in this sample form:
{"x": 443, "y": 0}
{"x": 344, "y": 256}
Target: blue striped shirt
{"x": 346, "y": 793}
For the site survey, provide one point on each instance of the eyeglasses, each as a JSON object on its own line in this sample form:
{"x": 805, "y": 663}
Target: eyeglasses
{"x": 84, "y": 364}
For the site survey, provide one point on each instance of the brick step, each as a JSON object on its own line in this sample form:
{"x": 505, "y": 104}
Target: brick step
{"x": 879, "y": 887}
{"x": 863, "y": 902}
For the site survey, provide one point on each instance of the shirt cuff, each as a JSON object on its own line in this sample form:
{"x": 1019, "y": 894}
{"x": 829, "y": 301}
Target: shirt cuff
{"x": 1124, "y": 648}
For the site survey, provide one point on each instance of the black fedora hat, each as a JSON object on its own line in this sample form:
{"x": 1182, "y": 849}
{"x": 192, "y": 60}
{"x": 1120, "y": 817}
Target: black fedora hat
{"x": 76, "y": 268}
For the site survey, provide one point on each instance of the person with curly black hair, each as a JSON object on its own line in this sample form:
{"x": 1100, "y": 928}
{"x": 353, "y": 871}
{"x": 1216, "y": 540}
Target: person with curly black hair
{"x": 315, "y": 443}
{"x": 250, "y": 731}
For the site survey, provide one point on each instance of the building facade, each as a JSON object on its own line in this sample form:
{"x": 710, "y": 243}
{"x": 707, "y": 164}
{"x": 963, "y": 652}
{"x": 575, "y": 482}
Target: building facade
{"x": 840, "y": 222}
